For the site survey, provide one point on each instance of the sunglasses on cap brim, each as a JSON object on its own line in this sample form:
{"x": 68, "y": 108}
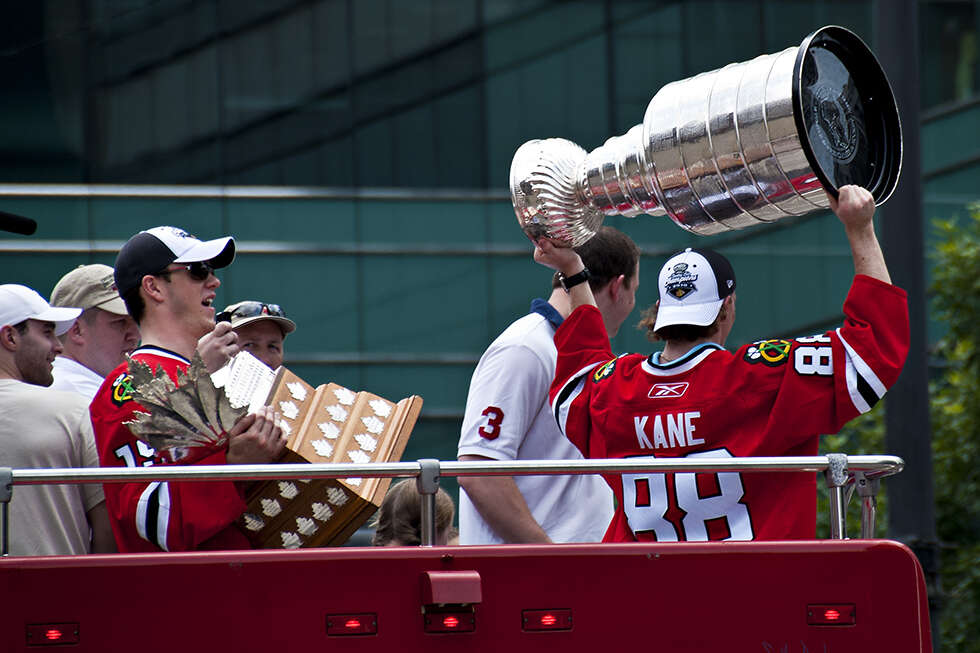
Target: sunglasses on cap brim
{"x": 250, "y": 309}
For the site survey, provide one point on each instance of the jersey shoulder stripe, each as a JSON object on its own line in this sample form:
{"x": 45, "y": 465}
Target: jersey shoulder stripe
{"x": 863, "y": 385}
{"x": 572, "y": 389}
{"x": 153, "y": 514}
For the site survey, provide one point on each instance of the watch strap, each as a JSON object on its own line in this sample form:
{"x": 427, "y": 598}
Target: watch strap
{"x": 570, "y": 282}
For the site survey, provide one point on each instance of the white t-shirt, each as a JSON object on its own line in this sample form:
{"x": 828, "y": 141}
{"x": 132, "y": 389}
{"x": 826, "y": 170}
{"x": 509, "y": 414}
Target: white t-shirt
{"x": 72, "y": 376}
{"x": 508, "y": 418}
{"x": 43, "y": 428}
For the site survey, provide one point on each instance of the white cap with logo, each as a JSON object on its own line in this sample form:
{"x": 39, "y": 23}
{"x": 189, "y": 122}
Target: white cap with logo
{"x": 693, "y": 285}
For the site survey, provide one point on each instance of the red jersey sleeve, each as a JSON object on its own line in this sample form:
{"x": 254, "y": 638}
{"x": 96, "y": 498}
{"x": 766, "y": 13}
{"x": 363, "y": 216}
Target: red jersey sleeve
{"x": 816, "y": 384}
{"x": 159, "y": 515}
{"x": 874, "y": 341}
{"x": 583, "y": 345}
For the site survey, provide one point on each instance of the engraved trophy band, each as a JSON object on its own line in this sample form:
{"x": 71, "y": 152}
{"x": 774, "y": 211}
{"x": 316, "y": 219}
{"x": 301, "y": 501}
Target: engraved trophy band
{"x": 750, "y": 143}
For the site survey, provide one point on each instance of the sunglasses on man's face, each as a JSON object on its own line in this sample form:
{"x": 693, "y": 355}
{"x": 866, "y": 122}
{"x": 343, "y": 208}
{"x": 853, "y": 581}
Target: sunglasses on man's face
{"x": 198, "y": 270}
{"x": 250, "y": 309}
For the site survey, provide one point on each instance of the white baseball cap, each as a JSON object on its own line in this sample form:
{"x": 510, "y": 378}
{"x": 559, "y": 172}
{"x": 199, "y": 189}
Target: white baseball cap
{"x": 19, "y": 303}
{"x": 693, "y": 285}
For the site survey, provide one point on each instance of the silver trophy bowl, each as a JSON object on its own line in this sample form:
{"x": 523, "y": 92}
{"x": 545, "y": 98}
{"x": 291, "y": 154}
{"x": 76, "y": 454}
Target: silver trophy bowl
{"x": 750, "y": 143}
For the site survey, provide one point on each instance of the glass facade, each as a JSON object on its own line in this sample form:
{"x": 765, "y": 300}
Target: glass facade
{"x": 422, "y": 93}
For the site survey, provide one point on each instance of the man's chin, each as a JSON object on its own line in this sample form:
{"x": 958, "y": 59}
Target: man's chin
{"x": 43, "y": 381}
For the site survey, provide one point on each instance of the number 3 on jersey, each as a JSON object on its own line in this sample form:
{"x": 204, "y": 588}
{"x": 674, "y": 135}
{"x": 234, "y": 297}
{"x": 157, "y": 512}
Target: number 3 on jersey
{"x": 647, "y": 500}
{"x": 495, "y": 418}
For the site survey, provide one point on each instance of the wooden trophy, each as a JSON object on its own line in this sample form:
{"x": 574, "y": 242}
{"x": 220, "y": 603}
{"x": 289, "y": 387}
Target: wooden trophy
{"x": 327, "y": 424}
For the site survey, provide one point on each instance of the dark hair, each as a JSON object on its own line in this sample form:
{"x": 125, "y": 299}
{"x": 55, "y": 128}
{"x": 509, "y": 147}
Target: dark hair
{"x": 21, "y": 327}
{"x": 607, "y": 255}
{"x": 400, "y": 516}
{"x": 135, "y": 305}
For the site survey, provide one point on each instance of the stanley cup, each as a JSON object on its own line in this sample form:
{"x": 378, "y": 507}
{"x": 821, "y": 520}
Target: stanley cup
{"x": 750, "y": 143}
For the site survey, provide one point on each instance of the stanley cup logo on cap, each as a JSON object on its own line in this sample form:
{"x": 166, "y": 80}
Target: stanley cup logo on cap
{"x": 680, "y": 283}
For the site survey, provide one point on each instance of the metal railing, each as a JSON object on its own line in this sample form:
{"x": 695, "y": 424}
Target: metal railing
{"x": 843, "y": 475}
{"x": 189, "y": 191}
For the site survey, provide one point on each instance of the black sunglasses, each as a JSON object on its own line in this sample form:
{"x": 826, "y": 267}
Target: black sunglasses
{"x": 250, "y": 309}
{"x": 198, "y": 270}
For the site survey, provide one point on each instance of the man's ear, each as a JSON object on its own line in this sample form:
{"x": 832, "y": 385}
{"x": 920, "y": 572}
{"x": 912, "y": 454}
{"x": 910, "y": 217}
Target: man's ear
{"x": 152, "y": 287}
{"x": 9, "y": 338}
{"x": 616, "y": 286}
{"x": 75, "y": 333}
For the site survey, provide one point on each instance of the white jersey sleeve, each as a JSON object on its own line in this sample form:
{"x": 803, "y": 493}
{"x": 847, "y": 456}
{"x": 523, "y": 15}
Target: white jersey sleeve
{"x": 507, "y": 390}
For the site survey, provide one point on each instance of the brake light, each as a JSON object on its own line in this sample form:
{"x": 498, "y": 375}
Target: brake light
{"x": 835, "y": 614}
{"x": 538, "y": 620}
{"x": 352, "y": 624}
{"x": 52, "y": 634}
{"x": 450, "y": 620}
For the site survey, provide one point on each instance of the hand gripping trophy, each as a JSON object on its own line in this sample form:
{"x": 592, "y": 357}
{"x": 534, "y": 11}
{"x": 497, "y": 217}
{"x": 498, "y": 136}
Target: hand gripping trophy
{"x": 750, "y": 143}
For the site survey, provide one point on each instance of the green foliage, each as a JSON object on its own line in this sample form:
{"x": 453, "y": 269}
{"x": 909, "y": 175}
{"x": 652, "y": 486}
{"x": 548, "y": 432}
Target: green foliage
{"x": 955, "y": 414}
{"x": 956, "y": 428}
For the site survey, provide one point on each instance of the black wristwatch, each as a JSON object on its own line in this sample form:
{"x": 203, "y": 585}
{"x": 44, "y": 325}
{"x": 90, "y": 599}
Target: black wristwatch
{"x": 570, "y": 282}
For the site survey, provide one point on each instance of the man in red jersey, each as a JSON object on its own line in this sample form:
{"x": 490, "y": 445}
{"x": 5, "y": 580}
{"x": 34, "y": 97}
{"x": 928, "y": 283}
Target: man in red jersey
{"x": 696, "y": 399}
{"x": 166, "y": 277}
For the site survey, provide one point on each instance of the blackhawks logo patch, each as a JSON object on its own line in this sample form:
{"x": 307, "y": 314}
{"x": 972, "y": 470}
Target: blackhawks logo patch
{"x": 770, "y": 352}
{"x": 122, "y": 389}
{"x": 604, "y": 370}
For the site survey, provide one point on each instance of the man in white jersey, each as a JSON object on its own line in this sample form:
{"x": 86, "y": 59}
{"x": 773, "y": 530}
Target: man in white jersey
{"x": 508, "y": 416}
{"x": 102, "y": 336}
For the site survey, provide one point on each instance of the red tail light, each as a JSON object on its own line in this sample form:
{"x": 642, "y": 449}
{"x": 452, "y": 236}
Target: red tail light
{"x": 53, "y": 634}
{"x": 534, "y": 620}
{"x": 831, "y": 614}
{"x": 352, "y": 624}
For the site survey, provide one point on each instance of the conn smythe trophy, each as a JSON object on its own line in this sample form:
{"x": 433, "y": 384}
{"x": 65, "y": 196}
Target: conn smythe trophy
{"x": 750, "y": 143}
{"x": 327, "y": 424}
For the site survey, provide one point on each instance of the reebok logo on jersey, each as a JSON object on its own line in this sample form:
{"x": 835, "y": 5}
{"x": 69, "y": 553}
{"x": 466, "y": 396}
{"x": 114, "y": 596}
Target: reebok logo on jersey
{"x": 668, "y": 390}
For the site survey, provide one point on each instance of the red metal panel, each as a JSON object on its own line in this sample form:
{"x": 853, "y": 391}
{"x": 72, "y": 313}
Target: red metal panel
{"x": 686, "y": 596}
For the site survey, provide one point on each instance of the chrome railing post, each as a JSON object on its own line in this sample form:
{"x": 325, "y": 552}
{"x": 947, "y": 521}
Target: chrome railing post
{"x": 427, "y": 483}
{"x": 867, "y": 489}
{"x": 836, "y": 477}
{"x": 6, "y": 492}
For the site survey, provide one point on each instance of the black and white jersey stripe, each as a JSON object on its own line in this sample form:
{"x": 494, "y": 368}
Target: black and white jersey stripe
{"x": 153, "y": 514}
{"x": 572, "y": 388}
{"x": 863, "y": 385}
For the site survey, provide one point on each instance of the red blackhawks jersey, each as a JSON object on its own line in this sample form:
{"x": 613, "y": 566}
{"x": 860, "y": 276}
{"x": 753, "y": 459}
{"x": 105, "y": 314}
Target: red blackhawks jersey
{"x": 769, "y": 398}
{"x": 159, "y": 515}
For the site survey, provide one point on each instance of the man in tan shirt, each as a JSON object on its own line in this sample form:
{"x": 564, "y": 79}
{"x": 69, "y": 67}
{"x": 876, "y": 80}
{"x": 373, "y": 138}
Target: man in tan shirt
{"x": 44, "y": 428}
